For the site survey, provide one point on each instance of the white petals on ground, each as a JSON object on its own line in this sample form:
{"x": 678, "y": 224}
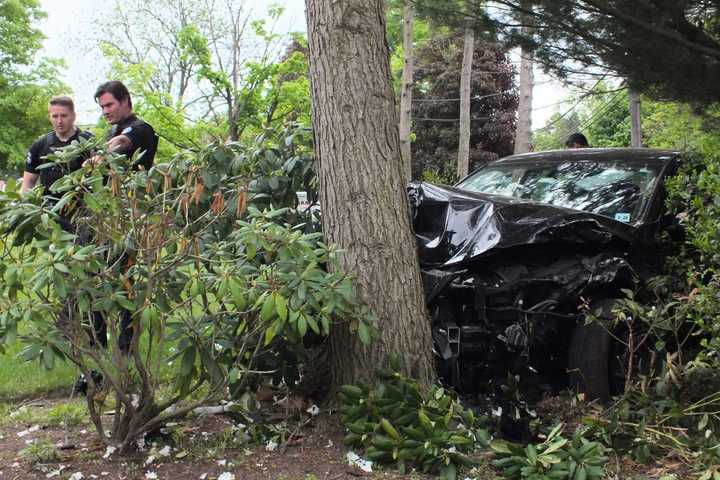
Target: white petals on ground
{"x": 165, "y": 451}
{"x": 314, "y": 410}
{"x": 30, "y": 430}
{"x": 150, "y": 460}
{"x": 355, "y": 461}
{"x": 56, "y": 473}
{"x": 203, "y": 476}
{"x": 271, "y": 446}
{"x": 109, "y": 451}
{"x": 226, "y": 476}
{"x": 76, "y": 476}
{"x": 149, "y": 475}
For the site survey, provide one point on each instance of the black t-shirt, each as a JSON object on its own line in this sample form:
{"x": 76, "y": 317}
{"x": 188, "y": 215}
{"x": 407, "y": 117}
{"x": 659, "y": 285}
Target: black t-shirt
{"x": 143, "y": 139}
{"x": 46, "y": 145}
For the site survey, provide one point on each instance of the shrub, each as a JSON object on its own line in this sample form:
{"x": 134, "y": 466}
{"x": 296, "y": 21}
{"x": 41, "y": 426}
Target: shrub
{"x": 200, "y": 269}
{"x": 397, "y": 421}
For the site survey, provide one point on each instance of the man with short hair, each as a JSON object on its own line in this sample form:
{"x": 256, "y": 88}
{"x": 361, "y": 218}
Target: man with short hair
{"x": 61, "y": 112}
{"x": 577, "y": 140}
{"x": 129, "y": 133}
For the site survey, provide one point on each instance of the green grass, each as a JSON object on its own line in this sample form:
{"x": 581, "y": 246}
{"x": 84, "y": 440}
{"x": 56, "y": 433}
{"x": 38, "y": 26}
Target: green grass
{"x": 20, "y": 379}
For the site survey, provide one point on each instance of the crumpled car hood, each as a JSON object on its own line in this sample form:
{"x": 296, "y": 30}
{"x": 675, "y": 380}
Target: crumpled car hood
{"x": 454, "y": 226}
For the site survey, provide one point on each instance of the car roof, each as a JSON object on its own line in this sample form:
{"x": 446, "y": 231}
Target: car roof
{"x": 594, "y": 155}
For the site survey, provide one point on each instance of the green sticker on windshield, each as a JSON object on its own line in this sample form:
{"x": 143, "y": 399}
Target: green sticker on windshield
{"x": 622, "y": 217}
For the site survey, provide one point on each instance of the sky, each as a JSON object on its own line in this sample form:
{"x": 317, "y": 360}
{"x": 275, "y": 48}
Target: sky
{"x": 72, "y": 27}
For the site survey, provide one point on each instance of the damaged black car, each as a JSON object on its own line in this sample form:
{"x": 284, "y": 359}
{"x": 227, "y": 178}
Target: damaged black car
{"x": 516, "y": 253}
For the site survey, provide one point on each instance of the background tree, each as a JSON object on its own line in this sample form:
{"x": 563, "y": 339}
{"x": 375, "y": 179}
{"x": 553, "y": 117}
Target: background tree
{"x": 668, "y": 49}
{"x": 203, "y": 62}
{"x": 437, "y": 108}
{"x": 26, "y": 85}
{"x": 362, "y": 189}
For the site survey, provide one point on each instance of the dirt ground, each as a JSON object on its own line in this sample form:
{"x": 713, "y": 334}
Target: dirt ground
{"x": 315, "y": 452}
{"x": 204, "y": 448}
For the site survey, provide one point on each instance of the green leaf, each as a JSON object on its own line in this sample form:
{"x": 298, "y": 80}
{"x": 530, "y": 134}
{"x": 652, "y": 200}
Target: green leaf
{"x": 187, "y": 363}
{"x": 125, "y": 303}
{"x": 61, "y": 267}
{"x": 268, "y": 309}
{"x": 281, "y": 307}
{"x": 302, "y": 325}
{"x": 270, "y": 334}
{"x": 48, "y": 358}
{"x": 364, "y": 333}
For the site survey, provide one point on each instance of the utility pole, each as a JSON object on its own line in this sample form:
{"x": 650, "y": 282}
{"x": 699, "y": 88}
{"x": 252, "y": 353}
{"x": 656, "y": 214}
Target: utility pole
{"x": 523, "y": 131}
{"x": 465, "y": 82}
{"x": 406, "y": 94}
{"x": 635, "y": 120}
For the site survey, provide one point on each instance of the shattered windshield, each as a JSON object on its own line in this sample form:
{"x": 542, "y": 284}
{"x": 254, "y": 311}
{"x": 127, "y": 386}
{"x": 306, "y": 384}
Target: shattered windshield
{"x": 617, "y": 190}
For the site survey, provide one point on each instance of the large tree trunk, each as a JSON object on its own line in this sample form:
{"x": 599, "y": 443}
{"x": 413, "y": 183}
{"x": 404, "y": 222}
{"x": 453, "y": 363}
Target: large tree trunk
{"x": 362, "y": 186}
{"x": 523, "y": 132}
{"x": 407, "y": 86}
{"x": 465, "y": 77}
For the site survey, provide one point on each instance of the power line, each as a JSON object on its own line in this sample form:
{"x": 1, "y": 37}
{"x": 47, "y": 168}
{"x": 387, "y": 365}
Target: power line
{"x": 594, "y": 118}
{"x": 448, "y": 120}
{"x": 476, "y": 97}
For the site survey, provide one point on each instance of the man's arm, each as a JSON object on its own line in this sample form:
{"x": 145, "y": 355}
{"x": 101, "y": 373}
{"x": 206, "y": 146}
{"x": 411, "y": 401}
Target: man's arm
{"x": 30, "y": 175}
{"x": 29, "y": 181}
{"x": 121, "y": 143}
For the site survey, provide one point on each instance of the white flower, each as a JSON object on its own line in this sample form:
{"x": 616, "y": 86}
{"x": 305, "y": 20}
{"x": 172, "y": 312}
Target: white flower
{"x": 226, "y": 476}
{"x": 165, "y": 451}
{"x": 76, "y": 476}
{"x": 151, "y": 475}
{"x": 498, "y": 412}
{"x": 203, "y": 476}
{"x": 271, "y": 446}
{"x": 313, "y": 411}
{"x": 32, "y": 429}
{"x": 150, "y": 460}
{"x": 222, "y": 463}
{"x": 109, "y": 451}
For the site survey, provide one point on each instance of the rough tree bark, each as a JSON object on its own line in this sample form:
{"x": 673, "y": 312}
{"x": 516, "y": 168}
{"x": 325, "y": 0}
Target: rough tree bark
{"x": 407, "y": 85}
{"x": 362, "y": 187}
{"x": 465, "y": 76}
{"x": 523, "y": 132}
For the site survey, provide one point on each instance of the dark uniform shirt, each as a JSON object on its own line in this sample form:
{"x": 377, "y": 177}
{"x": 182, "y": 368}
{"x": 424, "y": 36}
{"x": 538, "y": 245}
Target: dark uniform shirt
{"x": 143, "y": 139}
{"x": 46, "y": 145}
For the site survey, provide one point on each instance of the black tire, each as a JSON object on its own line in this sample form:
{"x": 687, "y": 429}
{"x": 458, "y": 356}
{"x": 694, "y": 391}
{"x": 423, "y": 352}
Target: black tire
{"x": 592, "y": 364}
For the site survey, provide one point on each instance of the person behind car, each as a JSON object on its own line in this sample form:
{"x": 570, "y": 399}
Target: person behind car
{"x": 61, "y": 112}
{"x": 577, "y": 140}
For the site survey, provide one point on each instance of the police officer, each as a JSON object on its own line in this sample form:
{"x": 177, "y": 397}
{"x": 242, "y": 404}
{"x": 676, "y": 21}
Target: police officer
{"x": 129, "y": 134}
{"x": 61, "y": 112}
